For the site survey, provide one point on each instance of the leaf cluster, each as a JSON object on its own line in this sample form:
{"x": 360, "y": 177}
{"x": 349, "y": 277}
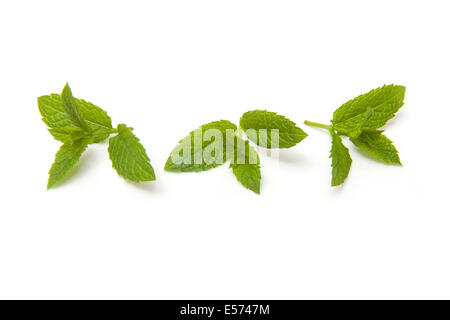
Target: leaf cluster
{"x": 264, "y": 128}
{"x": 77, "y": 124}
{"x": 360, "y": 119}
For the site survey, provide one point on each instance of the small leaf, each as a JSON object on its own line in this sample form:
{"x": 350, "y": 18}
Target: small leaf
{"x": 203, "y": 149}
{"x": 66, "y": 158}
{"x": 341, "y": 160}
{"x": 368, "y": 111}
{"x": 62, "y": 129}
{"x": 245, "y": 165}
{"x": 71, "y": 109}
{"x": 271, "y": 130}
{"x": 128, "y": 156}
{"x": 378, "y": 145}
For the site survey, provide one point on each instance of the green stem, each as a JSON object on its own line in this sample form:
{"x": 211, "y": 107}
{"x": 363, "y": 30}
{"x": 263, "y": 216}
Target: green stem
{"x": 318, "y": 125}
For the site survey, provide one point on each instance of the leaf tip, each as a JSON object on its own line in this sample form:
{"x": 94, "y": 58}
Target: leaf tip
{"x": 398, "y": 162}
{"x": 336, "y": 183}
{"x": 168, "y": 166}
{"x": 50, "y": 184}
{"x": 256, "y": 190}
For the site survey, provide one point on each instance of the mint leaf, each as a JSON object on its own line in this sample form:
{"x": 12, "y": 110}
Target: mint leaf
{"x": 62, "y": 129}
{"x": 66, "y": 158}
{"x": 55, "y": 118}
{"x": 245, "y": 165}
{"x": 271, "y": 130}
{"x": 97, "y": 119}
{"x": 71, "y": 109}
{"x": 203, "y": 149}
{"x": 378, "y": 145}
{"x": 341, "y": 160}
{"x": 368, "y": 111}
{"x": 128, "y": 156}
{"x": 68, "y": 134}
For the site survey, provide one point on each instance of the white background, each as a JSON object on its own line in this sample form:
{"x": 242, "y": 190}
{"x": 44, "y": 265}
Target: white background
{"x": 166, "y": 67}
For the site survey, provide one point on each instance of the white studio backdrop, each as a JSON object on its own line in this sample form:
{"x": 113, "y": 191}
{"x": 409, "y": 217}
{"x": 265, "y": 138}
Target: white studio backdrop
{"x": 166, "y": 67}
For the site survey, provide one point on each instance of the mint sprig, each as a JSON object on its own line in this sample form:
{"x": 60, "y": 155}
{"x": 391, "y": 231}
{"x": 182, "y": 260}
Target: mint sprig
{"x": 359, "y": 119}
{"x": 77, "y": 123}
{"x": 217, "y": 142}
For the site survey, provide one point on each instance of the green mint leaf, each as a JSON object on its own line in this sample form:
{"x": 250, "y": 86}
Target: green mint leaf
{"x": 368, "y": 111}
{"x": 271, "y": 130}
{"x": 55, "y": 118}
{"x": 66, "y": 158}
{"x": 341, "y": 160}
{"x": 203, "y": 149}
{"x": 245, "y": 165}
{"x": 71, "y": 109}
{"x": 62, "y": 129}
{"x": 378, "y": 145}
{"x": 67, "y": 134}
{"x": 97, "y": 119}
{"x": 128, "y": 156}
